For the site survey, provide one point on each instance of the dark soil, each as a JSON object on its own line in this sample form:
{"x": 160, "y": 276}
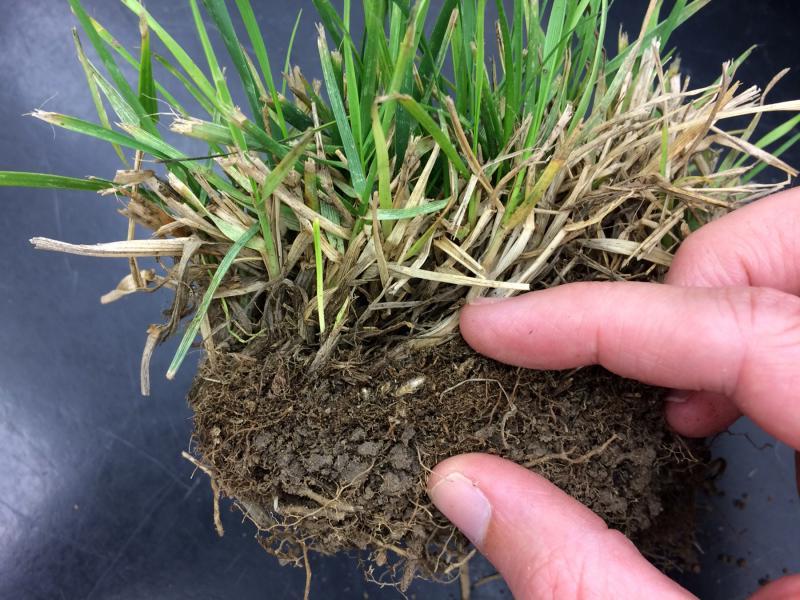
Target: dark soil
{"x": 338, "y": 459}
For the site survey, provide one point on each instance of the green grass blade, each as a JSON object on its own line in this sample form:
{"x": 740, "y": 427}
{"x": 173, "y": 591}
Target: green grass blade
{"x": 56, "y": 182}
{"x": 554, "y": 48}
{"x": 147, "y": 84}
{"x": 513, "y": 110}
{"x": 440, "y": 137}
{"x": 590, "y": 85}
{"x": 184, "y": 60}
{"x": 382, "y": 161}
{"x": 773, "y": 136}
{"x": 201, "y": 98}
{"x": 223, "y": 93}
{"x": 340, "y": 114}
{"x": 397, "y": 26}
{"x": 110, "y": 64}
{"x": 124, "y": 111}
{"x": 260, "y": 49}
{"x": 435, "y": 76}
{"x": 287, "y": 164}
{"x": 402, "y": 123}
{"x": 330, "y": 20}
{"x": 397, "y": 214}
{"x": 88, "y": 71}
{"x": 205, "y": 303}
{"x": 780, "y": 131}
{"x": 128, "y": 58}
{"x": 288, "y": 62}
{"x": 296, "y": 117}
{"x": 460, "y": 58}
{"x": 95, "y": 131}
{"x": 439, "y": 38}
{"x": 376, "y": 57}
{"x": 222, "y": 18}
{"x": 212, "y": 133}
{"x": 681, "y": 12}
{"x": 401, "y": 80}
{"x": 480, "y": 67}
{"x": 353, "y": 89}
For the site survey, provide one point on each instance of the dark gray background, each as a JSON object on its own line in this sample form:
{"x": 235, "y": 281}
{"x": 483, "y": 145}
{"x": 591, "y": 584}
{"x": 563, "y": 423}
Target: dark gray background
{"x": 95, "y": 501}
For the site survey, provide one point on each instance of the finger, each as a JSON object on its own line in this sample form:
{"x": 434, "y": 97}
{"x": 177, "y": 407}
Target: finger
{"x": 782, "y": 589}
{"x": 755, "y": 246}
{"x": 701, "y": 414}
{"x": 544, "y": 543}
{"x": 743, "y": 343}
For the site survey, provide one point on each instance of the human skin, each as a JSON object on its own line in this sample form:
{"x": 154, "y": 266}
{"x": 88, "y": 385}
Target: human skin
{"x": 723, "y": 332}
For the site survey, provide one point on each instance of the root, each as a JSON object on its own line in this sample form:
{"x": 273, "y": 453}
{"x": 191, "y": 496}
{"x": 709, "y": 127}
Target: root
{"x": 214, "y": 490}
{"x": 307, "y": 565}
{"x": 564, "y": 456}
{"x": 464, "y": 581}
{"x": 217, "y": 518}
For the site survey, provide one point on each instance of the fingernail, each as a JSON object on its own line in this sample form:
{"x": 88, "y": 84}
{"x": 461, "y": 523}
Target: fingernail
{"x": 678, "y": 396}
{"x": 461, "y": 501}
{"x": 486, "y": 300}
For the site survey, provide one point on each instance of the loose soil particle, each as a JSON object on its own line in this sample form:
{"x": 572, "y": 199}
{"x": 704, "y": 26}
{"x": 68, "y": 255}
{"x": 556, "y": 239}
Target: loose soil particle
{"x": 337, "y": 459}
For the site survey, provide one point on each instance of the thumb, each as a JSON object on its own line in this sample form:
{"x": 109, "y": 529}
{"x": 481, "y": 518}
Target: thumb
{"x": 544, "y": 543}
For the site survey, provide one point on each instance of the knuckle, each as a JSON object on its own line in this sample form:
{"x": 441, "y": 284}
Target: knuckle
{"x": 760, "y": 311}
{"x": 767, "y": 322}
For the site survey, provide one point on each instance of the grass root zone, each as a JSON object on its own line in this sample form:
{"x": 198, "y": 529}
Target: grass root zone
{"x": 337, "y": 459}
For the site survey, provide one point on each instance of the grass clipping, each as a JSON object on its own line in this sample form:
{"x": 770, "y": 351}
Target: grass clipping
{"x": 323, "y": 244}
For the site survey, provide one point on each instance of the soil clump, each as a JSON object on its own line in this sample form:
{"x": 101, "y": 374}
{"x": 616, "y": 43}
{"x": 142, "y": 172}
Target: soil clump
{"x": 336, "y": 459}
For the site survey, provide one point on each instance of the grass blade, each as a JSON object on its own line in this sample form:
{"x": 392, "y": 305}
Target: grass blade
{"x": 88, "y": 71}
{"x": 205, "y": 303}
{"x": 589, "y": 89}
{"x": 56, "y": 182}
{"x": 382, "y": 161}
{"x": 128, "y": 58}
{"x": 288, "y": 62}
{"x": 330, "y": 20}
{"x": 480, "y": 67}
{"x": 184, "y": 60}
{"x": 222, "y": 18}
{"x": 95, "y": 131}
{"x": 353, "y": 90}
{"x": 320, "y": 272}
{"x": 260, "y": 49}
{"x": 147, "y": 85}
{"x": 337, "y": 106}
{"x": 429, "y": 125}
{"x": 223, "y": 93}
{"x": 271, "y": 183}
{"x": 110, "y": 64}
{"x": 397, "y": 214}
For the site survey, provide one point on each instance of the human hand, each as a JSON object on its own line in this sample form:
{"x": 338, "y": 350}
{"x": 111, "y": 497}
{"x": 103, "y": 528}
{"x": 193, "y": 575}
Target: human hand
{"x": 724, "y": 333}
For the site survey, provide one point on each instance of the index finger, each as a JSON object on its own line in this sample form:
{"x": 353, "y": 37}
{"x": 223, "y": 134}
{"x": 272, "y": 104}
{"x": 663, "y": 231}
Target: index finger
{"x": 740, "y": 342}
